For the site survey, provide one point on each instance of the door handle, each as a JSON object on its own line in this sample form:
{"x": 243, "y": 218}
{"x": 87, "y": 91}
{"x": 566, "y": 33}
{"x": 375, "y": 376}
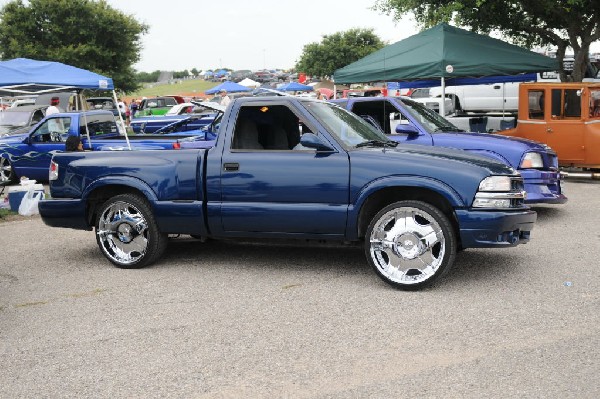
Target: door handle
{"x": 231, "y": 166}
{"x": 549, "y": 130}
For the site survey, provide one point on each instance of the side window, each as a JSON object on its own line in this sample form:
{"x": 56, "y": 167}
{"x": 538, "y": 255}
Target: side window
{"x": 52, "y": 130}
{"x": 595, "y": 103}
{"x": 170, "y": 101}
{"x": 98, "y": 125}
{"x": 381, "y": 114}
{"x": 566, "y": 103}
{"x": 271, "y": 128}
{"x": 536, "y": 104}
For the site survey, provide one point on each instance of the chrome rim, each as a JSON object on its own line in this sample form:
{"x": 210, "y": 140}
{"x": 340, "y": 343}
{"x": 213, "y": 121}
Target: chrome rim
{"x": 5, "y": 169}
{"x": 407, "y": 245}
{"x": 123, "y": 233}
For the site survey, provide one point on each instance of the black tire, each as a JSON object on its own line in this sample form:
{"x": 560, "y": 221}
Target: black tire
{"x": 127, "y": 233}
{"x": 410, "y": 244}
{"x": 7, "y": 174}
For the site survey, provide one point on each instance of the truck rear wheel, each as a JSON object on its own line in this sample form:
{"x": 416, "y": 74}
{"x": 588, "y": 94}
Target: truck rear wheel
{"x": 410, "y": 244}
{"x": 127, "y": 233}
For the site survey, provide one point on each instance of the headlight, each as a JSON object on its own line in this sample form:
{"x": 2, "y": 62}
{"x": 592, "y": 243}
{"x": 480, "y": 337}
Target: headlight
{"x": 500, "y": 192}
{"x": 532, "y": 160}
{"x": 496, "y": 183}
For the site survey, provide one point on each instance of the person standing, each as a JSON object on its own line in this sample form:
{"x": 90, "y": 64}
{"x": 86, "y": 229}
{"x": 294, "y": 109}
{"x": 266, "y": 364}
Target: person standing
{"x": 53, "y": 108}
{"x": 225, "y": 100}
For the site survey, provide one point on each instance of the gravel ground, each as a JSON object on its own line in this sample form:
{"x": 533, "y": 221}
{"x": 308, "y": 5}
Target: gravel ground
{"x": 242, "y": 320}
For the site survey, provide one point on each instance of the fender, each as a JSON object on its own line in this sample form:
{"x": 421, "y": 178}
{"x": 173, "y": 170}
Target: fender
{"x": 120, "y": 180}
{"x": 437, "y": 186}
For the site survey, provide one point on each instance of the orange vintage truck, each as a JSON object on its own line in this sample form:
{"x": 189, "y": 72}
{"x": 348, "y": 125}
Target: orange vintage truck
{"x": 565, "y": 116}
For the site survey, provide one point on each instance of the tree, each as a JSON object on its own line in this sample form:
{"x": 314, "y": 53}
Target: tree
{"x": 560, "y": 23}
{"x": 337, "y": 50}
{"x": 83, "y": 33}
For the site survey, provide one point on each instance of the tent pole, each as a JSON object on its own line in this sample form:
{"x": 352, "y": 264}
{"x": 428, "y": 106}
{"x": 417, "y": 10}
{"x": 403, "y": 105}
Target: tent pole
{"x": 503, "y": 99}
{"x": 87, "y": 130}
{"x": 443, "y": 103}
{"x": 121, "y": 120}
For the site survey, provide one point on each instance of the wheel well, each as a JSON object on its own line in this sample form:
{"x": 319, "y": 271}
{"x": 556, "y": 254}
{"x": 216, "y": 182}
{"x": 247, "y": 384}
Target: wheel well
{"x": 384, "y": 197}
{"x": 100, "y": 195}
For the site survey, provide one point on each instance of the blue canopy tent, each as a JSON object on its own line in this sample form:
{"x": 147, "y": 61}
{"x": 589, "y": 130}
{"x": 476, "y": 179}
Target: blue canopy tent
{"x": 295, "y": 86}
{"x": 230, "y": 87}
{"x": 23, "y": 76}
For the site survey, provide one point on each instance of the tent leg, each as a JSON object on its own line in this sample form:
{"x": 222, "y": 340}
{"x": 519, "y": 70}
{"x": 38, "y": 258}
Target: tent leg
{"x": 443, "y": 103}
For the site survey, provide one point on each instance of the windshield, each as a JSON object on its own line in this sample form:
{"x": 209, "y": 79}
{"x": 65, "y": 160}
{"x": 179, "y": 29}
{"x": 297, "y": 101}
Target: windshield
{"x": 348, "y": 128}
{"x": 429, "y": 119}
{"x": 13, "y": 118}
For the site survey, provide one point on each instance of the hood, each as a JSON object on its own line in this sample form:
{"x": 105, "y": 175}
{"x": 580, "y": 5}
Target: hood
{"x": 447, "y": 155}
{"x": 509, "y": 148}
{"x": 13, "y": 138}
{"x": 11, "y": 130}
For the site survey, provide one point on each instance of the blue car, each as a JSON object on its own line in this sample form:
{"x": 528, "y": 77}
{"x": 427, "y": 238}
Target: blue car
{"x": 410, "y": 122}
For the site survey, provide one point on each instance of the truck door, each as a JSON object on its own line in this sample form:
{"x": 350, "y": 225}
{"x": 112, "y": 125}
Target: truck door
{"x": 36, "y": 152}
{"x": 270, "y": 184}
{"x": 565, "y": 130}
{"x": 554, "y": 118}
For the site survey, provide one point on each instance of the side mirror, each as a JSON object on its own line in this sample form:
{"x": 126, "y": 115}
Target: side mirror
{"x": 310, "y": 140}
{"x": 409, "y": 129}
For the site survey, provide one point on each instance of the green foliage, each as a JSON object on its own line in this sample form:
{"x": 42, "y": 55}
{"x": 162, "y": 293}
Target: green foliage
{"x": 84, "y": 33}
{"x": 559, "y": 23}
{"x": 147, "y": 77}
{"x": 337, "y": 50}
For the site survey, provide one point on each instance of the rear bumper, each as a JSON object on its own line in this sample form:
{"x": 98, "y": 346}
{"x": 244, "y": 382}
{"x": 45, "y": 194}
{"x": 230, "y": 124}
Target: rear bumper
{"x": 489, "y": 229}
{"x": 543, "y": 187}
{"x": 68, "y": 213}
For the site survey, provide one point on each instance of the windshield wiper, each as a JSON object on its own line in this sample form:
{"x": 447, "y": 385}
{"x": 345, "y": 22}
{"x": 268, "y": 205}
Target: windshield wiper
{"x": 377, "y": 143}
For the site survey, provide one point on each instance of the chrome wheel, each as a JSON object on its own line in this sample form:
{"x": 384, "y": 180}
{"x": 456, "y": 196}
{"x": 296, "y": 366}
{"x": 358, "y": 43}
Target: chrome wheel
{"x": 6, "y": 172}
{"x": 410, "y": 244}
{"x": 122, "y": 232}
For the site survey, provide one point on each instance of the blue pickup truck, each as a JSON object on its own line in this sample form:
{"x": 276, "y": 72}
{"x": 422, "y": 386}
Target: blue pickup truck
{"x": 286, "y": 167}
{"x": 29, "y": 154}
{"x": 409, "y": 122}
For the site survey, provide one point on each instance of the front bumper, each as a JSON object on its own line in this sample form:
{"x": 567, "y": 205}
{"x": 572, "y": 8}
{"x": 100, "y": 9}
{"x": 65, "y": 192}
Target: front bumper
{"x": 543, "y": 187}
{"x": 490, "y": 229}
{"x": 68, "y": 213}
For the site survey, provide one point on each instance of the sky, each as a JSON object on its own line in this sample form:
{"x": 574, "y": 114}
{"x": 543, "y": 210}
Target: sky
{"x": 241, "y": 34}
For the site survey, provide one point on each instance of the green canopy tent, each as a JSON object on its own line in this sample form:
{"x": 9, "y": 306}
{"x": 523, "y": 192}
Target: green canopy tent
{"x": 444, "y": 52}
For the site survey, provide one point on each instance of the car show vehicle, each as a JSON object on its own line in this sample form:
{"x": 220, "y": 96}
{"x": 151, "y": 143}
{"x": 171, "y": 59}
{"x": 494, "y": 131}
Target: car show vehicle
{"x": 565, "y": 116}
{"x": 204, "y": 113}
{"x": 20, "y": 119}
{"x": 408, "y": 122}
{"x": 292, "y": 168}
{"x": 29, "y": 154}
{"x": 157, "y": 105}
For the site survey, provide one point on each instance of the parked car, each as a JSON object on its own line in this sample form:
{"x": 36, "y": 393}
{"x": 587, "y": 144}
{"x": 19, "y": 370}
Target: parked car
{"x": 157, "y": 105}
{"x": 20, "y": 119}
{"x": 29, "y": 154}
{"x": 410, "y": 208}
{"x": 564, "y": 116}
{"x": 409, "y": 122}
{"x": 205, "y": 109}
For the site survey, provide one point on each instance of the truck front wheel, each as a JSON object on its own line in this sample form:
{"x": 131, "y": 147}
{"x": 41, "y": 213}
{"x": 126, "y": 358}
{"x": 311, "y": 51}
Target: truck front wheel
{"x": 410, "y": 244}
{"x": 127, "y": 233}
